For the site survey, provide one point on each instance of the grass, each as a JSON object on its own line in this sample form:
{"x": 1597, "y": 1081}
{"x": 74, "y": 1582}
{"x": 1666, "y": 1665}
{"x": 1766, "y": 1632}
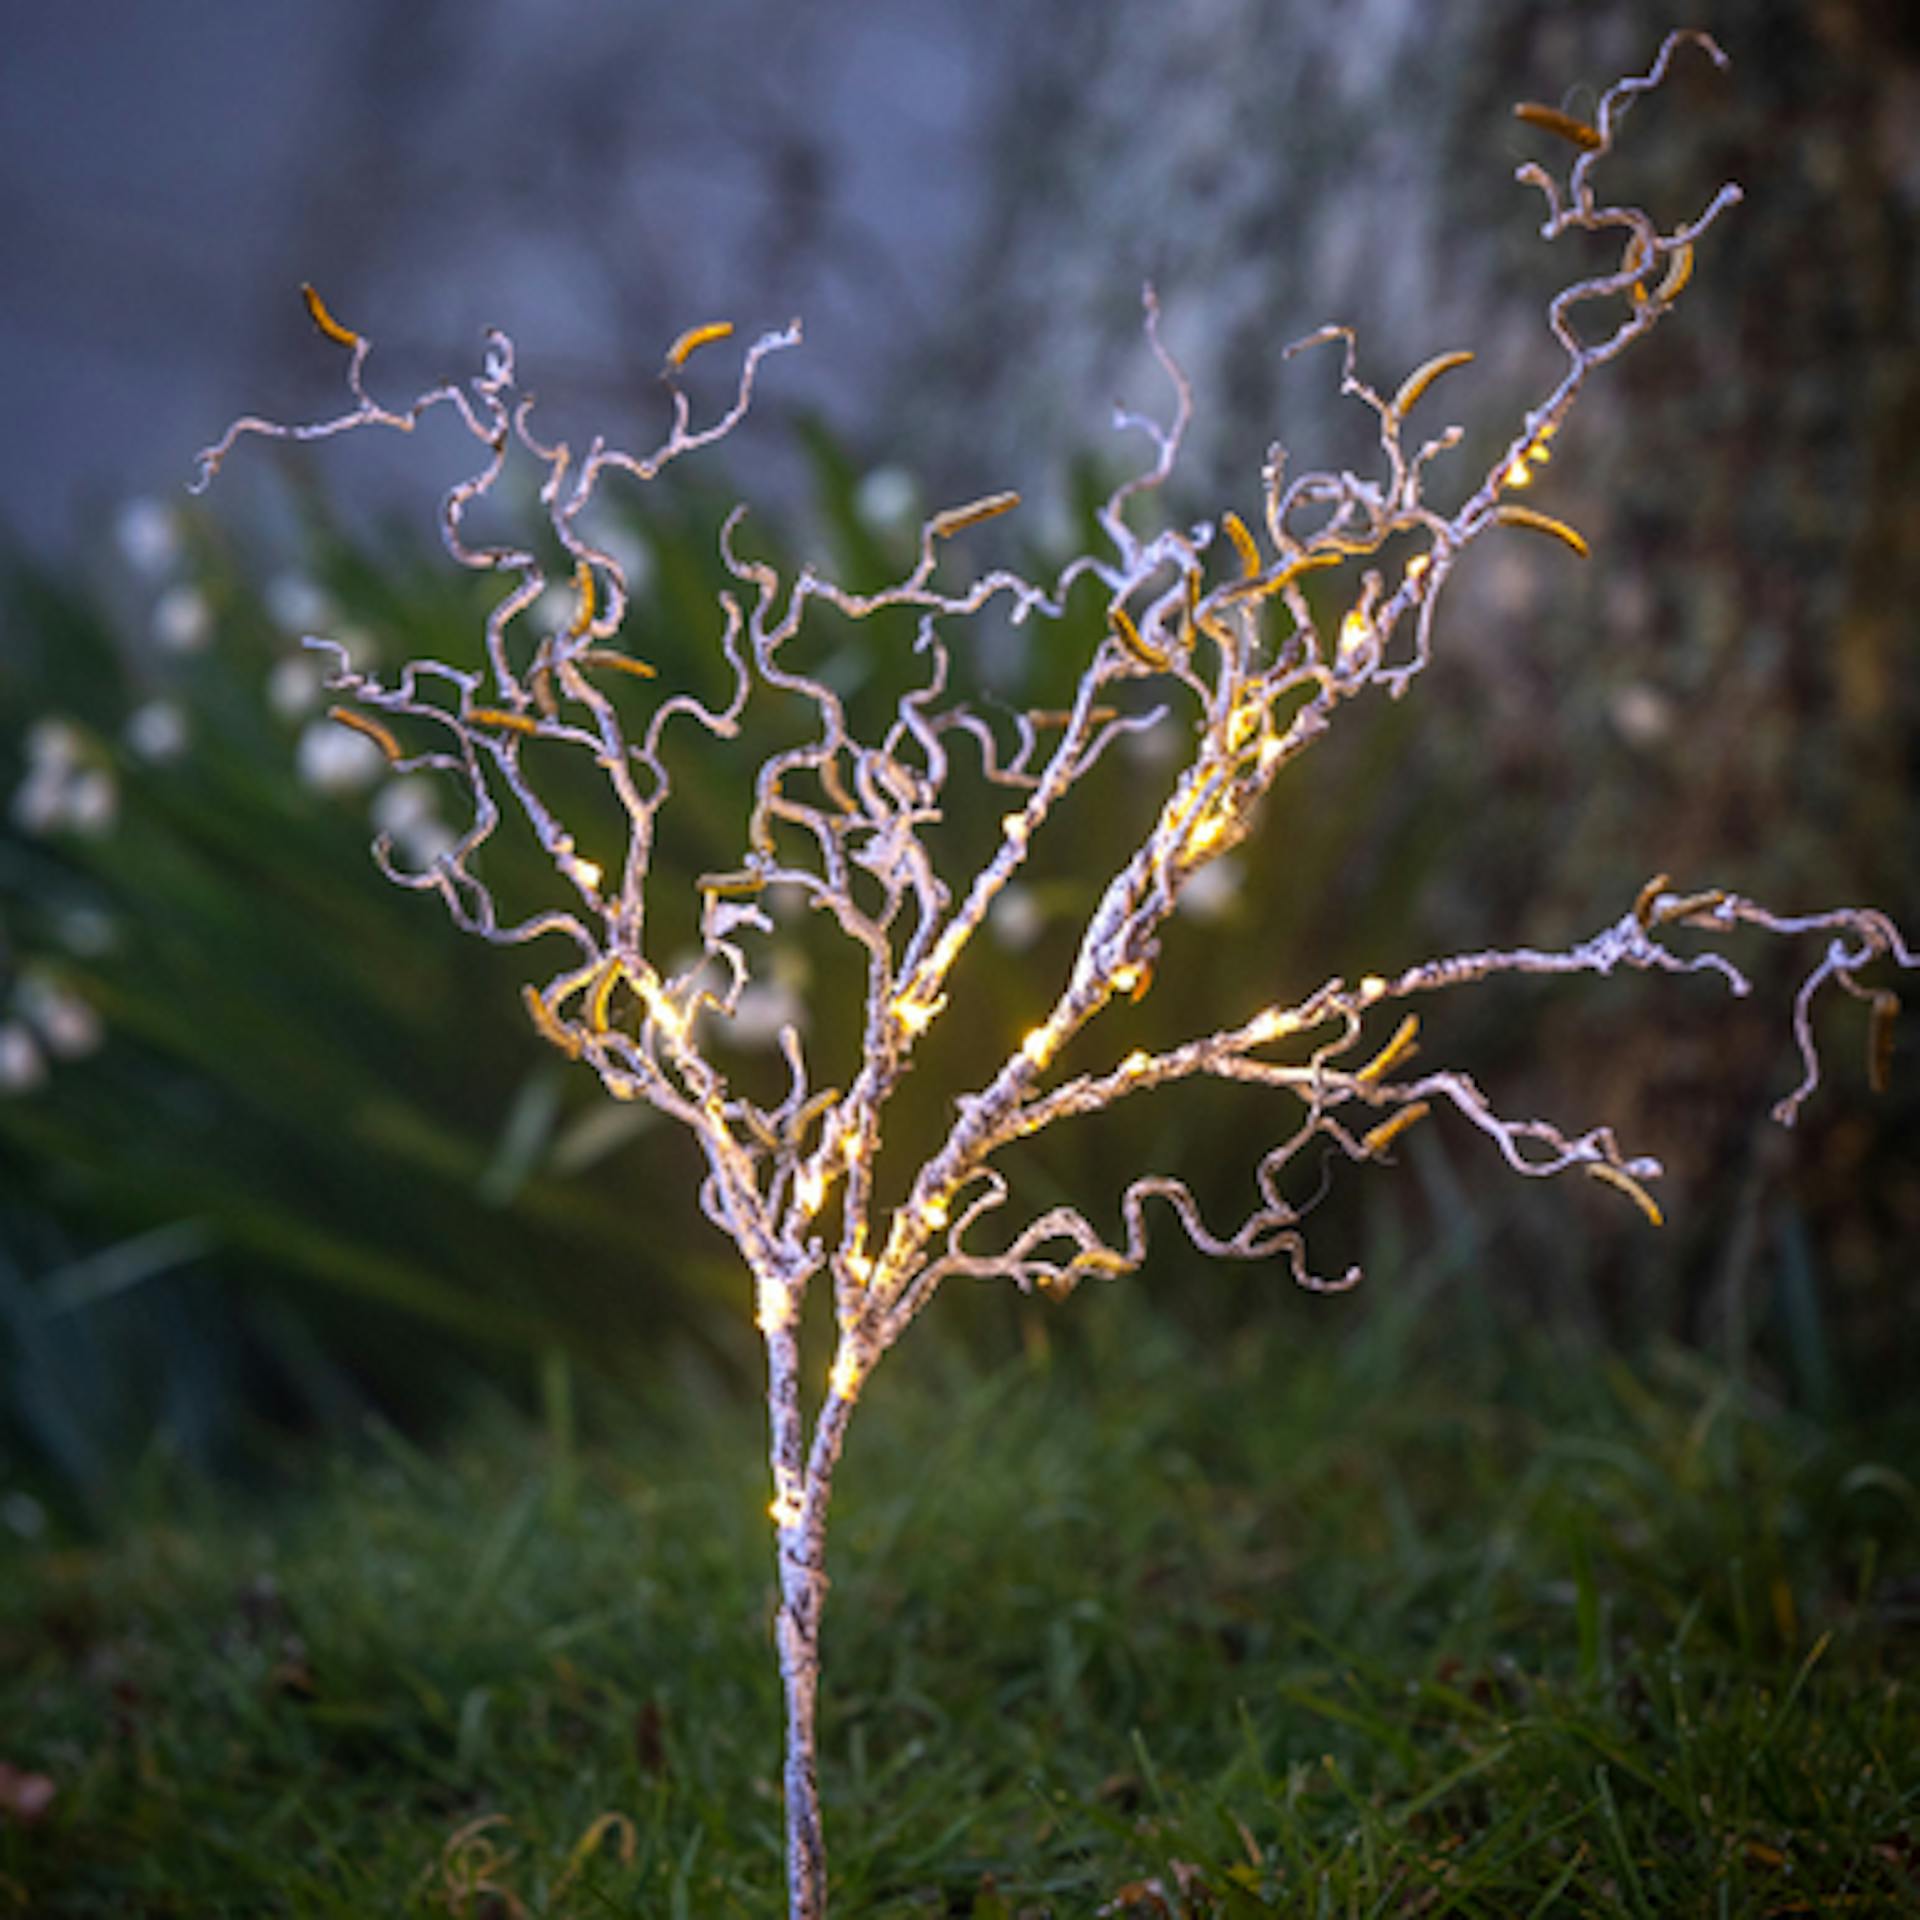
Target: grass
{"x": 1369, "y": 1609}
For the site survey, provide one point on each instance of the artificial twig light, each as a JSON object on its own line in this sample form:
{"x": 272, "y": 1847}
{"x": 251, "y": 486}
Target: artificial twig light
{"x": 1265, "y": 661}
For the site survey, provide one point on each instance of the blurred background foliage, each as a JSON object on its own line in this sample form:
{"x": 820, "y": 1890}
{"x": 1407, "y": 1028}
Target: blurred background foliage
{"x": 278, "y": 1146}
{"x": 283, "y": 1151}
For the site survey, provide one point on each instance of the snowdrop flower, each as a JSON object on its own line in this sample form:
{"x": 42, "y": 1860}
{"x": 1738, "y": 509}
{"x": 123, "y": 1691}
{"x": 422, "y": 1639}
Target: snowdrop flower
{"x": 763, "y": 1009}
{"x": 296, "y": 605}
{"x": 1210, "y": 894}
{"x": 334, "y": 759}
{"x": 407, "y": 812}
{"x": 148, "y": 536}
{"x": 68, "y": 1027}
{"x": 21, "y": 1066}
{"x": 157, "y": 732}
{"x": 632, "y": 555}
{"x": 1015, "y": 918}
{"x": 554, "y": 610}
{"x": 182, "y": 620}
{"x": 60, "y": 789}
{"x": 887, "y": 498}
{"x": 92, "y": 802}
{"x": 294, "y": 685}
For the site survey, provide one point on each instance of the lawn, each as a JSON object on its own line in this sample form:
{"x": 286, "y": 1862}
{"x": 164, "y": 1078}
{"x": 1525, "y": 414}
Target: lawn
{"x": 1368, "y": 1607}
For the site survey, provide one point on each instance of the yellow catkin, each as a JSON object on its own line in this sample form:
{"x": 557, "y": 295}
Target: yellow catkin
{"x": 321, "y": 318}
{"x": 1624, "y": 1182}
{"x": 1402, "y": 1047}
{"x": 732, "y": 886}
{"x": 1130, "y": 638}
{"x": 695, "y": 338}
{"x": 541, "y": 681}
{"x": 585, "y": 603}
{"x": 1886, "y": 1010}
{"x": 1679, "y": 272}
{"x": 1103, "y": 1262}
{"x": 1644, "y": 899}
{"x": 1377, "y": 1139}
{"x": 1536, "y": 522}
{"x": 499, "y": 717}
{"x": 371, "y": 729}
{"x": 616, "y": 662}
{"x": 1423, "y": 376}
{"x": 1265, "y": 589}
{"x": 1582, "y": 133}
{"x": 548, "y": 1027}
{"x": 600, "y": 995}
{"x": 1687, "y": 906}
{"x": 1243, "y": 545}
{"x": 958, "y": 519}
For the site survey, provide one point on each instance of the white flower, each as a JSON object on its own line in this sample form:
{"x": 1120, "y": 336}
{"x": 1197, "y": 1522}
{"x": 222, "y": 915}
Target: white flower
{"x": 554, "y": 610}
{"x": 1015, "y": 918}
{"x": 761, "y": 1011}
{"x": 296, "y": 605}
{"x": 887, "y": 498}
{"x": 67, "y": 1025}
{"x": 92, "y": 802}
{"x": 148, "y": 535}
{"x": 21, "y": 1067}
{"x": 294, "y": 685}
{"x": 60, "y": 790}
{"x": 54, "y": 744}
{"x": 182, "y": 620}
{"x": 335, "y": 759}
{"x": 631, "y": 554}
{"x": 407, "y": 811}
{"x": 157, "y": 732}
{"x": 36, "y": 804}
{"x": 1211, "y": 892}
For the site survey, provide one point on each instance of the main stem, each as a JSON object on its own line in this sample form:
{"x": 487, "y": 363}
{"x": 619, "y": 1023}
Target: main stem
{"x": 803, "y": 1488}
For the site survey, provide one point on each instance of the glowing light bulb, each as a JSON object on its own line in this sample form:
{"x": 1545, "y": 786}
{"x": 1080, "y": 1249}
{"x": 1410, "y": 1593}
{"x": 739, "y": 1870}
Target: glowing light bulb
{"x": 1038, "y": 1046}
{"x": 787, "y": 1506}
{"x": 1516, "y": 474}
{"x": 809, "y": 1189}
{"x": 584, "y": 874}
{"x": 1208, "y": 833}
{"x": 1269, "y": 1026}
{"x": 1135, "y": 1063}
{"x": 1355, "y": 631}
{"x": 915, "y": 1015}
{"x": 773, "y": 1306}
{"x": 664, "y": 1013}
{"x": 844, "y": 1381}
{"x": 1014, "y": 826}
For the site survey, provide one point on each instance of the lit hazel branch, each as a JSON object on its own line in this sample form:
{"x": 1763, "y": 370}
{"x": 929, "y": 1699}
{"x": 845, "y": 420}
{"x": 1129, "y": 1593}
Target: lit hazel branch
{"x": 1296, "y": 625}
